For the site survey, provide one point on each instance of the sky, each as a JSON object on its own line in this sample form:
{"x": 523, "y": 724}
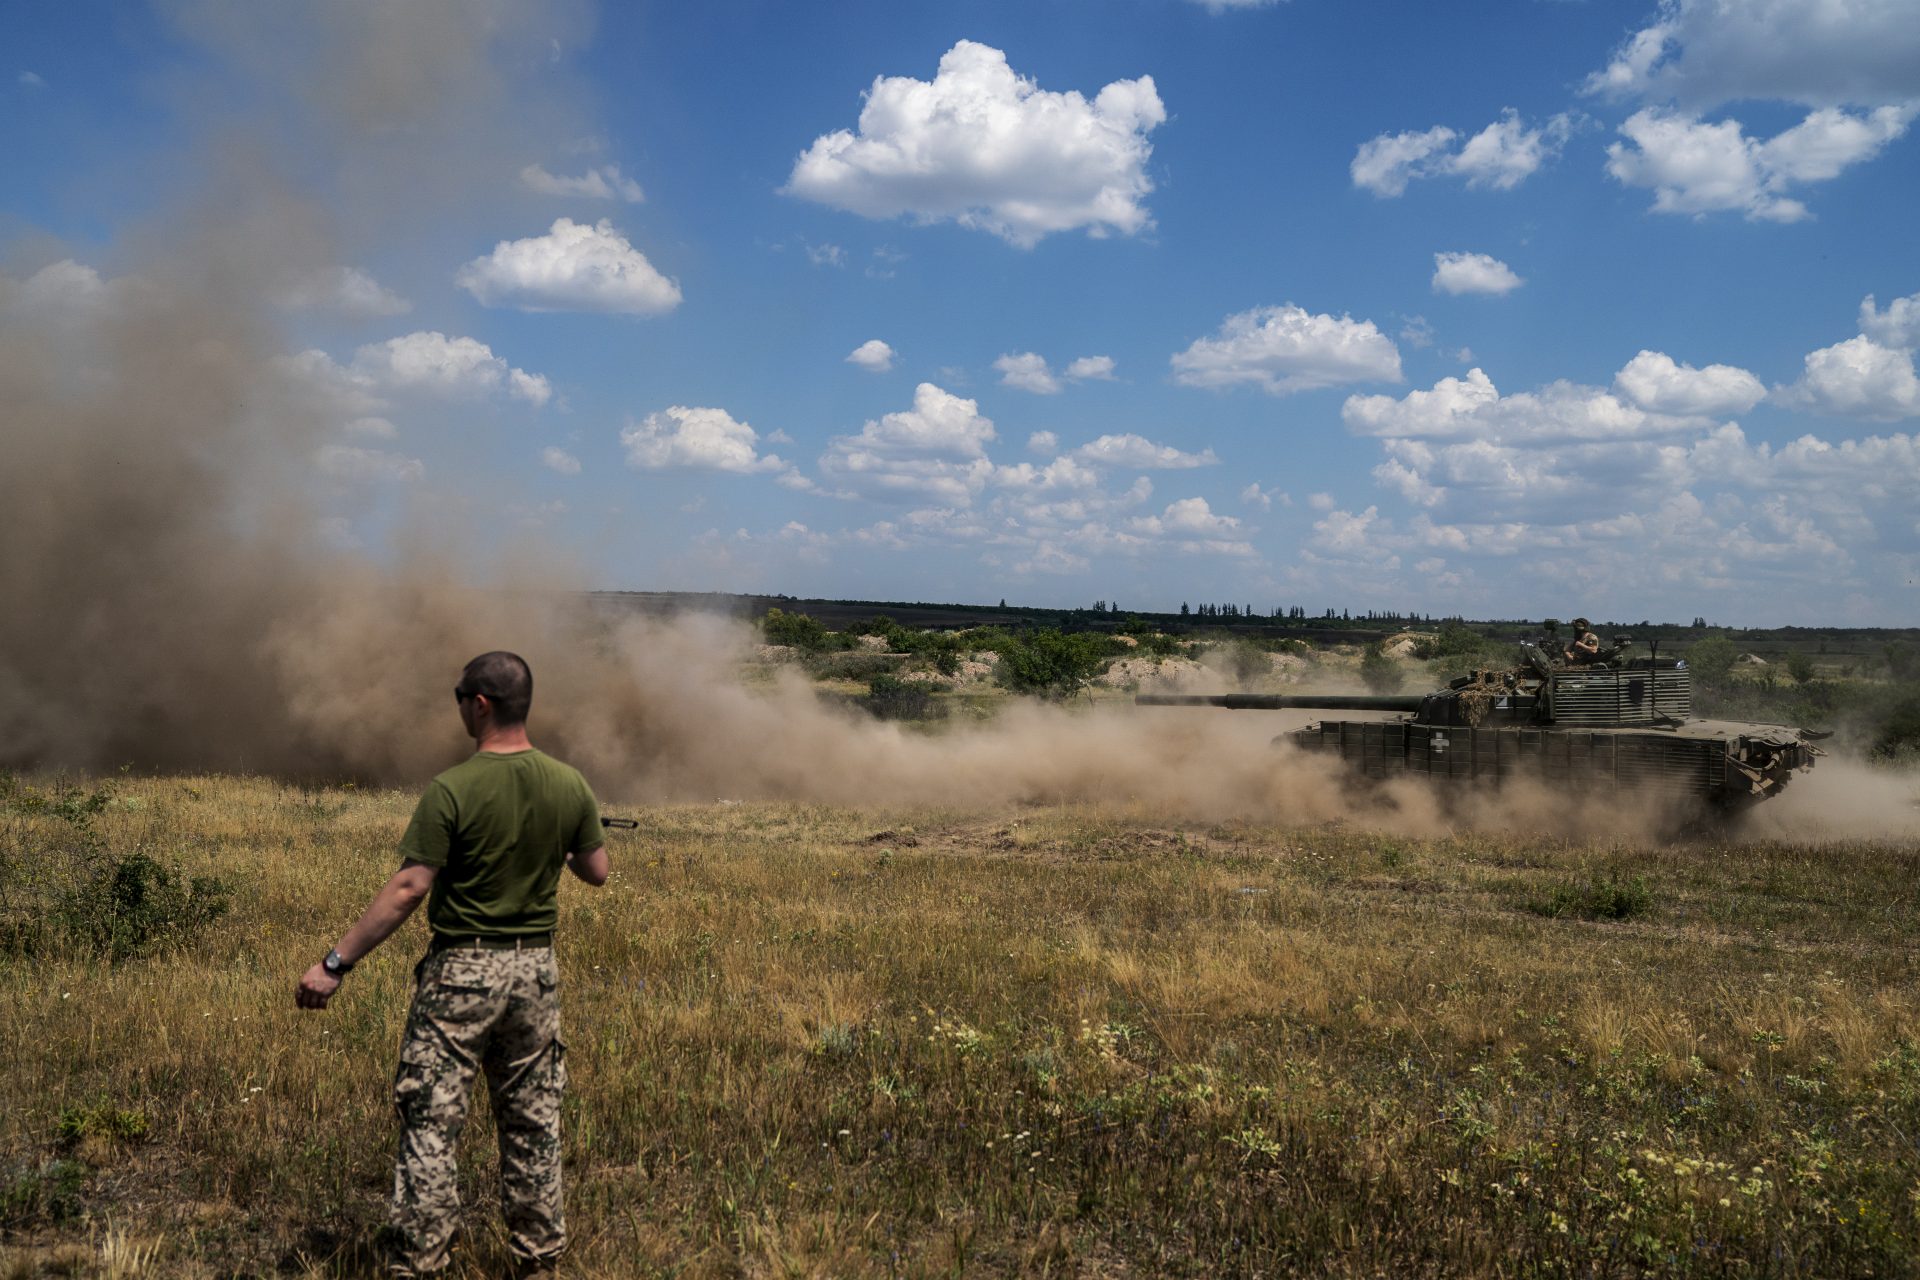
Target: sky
{"x": 1514, "y": 309}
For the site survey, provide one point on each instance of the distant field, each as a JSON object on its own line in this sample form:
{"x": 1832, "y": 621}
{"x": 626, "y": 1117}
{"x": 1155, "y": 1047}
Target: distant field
{"x": 1036, "y": 1041}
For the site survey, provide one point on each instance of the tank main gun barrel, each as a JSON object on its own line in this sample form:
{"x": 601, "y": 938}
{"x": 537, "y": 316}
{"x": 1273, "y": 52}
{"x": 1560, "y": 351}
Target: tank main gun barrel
{"x": 1283, "y": 701}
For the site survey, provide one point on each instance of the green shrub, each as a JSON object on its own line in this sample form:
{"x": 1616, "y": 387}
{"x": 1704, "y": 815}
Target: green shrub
{"x": 101, "y": 1120}
{"x": 1800, "y": 667}
{"x": 852, "y": 665}
{"x": 135, "y": 905}
{"x": 1453, "y": 641}
{"x": 890, "y": 698}
{"x": 1052, "y": 664}
{"x": 1598, "y": 898}
{"x": 800, "y": 631}
{"x": 1380, "y": 673}
{"x": 1898, "y": 734}
{"x": 50, "y": 1192}
{"x": 1245, "y": 660}
{"x": 1712, "y": 659}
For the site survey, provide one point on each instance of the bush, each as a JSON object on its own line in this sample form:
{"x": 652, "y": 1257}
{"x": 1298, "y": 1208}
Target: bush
{"x": 1712, "y": 659}
{"x": 800, "y": 631}
{"x": 889, "y": 698}
{"x": 1380, "y": 673}
{"x": 1800, "y": 667}
{"x": 1244, "y": 660}
{"x": 1453, "y": 641}
{"x": 1051, "y": 664}
{"x": 1898, "y": 735}
{"x": 136, "y": 905}
{"x": 854, "y": 665}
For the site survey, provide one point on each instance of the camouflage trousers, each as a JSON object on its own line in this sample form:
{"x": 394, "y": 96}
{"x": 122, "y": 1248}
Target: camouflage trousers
{"x": 497, "y": 1011}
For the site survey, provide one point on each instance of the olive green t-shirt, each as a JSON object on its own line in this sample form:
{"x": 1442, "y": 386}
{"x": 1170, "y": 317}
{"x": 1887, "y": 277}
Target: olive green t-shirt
{"x": 500, "y": 826}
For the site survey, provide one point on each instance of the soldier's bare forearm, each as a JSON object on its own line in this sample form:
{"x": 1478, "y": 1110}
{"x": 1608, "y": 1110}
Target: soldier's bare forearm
{"x": 397, "y": 900}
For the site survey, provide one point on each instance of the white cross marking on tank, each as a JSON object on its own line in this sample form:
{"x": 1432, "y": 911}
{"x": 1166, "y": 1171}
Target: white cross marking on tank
{"x": 1438, "y": 742}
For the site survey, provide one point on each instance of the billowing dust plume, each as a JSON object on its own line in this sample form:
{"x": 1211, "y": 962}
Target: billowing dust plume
{"x": 167, "y": 603}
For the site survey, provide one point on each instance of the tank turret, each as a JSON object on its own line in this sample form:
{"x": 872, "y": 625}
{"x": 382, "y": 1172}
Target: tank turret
{"x": 1621, "y": 724}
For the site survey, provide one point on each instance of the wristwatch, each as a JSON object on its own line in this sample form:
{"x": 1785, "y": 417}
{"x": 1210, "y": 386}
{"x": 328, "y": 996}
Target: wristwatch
{"x": 334, "y": 965}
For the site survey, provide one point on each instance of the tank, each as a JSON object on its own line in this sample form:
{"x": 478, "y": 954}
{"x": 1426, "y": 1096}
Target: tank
{"x": 1621, "y": 724}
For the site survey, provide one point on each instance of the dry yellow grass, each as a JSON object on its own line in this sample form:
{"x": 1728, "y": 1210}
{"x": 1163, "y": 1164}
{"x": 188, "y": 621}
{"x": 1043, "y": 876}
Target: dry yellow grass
{"x": 828, "y": 1042}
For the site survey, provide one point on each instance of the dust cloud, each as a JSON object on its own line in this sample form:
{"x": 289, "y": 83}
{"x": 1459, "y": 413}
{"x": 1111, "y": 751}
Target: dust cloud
{"x": 170, "y": 604}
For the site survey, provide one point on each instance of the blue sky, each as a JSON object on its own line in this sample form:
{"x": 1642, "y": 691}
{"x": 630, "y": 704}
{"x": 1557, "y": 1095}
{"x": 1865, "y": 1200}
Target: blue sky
{"x": 1513, "y": 309}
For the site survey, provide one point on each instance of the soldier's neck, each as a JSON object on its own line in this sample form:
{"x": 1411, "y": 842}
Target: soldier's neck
{"x": 503, "y": 741}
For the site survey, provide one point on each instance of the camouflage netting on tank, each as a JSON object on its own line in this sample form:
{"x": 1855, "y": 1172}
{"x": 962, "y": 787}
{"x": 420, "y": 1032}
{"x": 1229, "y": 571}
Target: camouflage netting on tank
{"x": 1483, "y": 690}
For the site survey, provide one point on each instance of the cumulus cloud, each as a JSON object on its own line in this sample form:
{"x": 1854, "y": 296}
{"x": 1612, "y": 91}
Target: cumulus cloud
{"x": 826, "y": 255}
{"x": 1857, "y": 378}
{"x": 701, "y": 439}
{"x": 1653, "y": 381}
{"x": 1694, "y": 167}
{"x": 1140, "y": 454}
{"x": 986, "y": 148}
{"x": 1091, "y": 369}
{"x": 574, "y": 267}
{"x": 1043, "y": 442}
{"x": 1286, "y": 349}
{"x": 872, "y": 355}
{"x": 1473, "y": 273}
{"x": 1501, "y": 156}
{"x": 1473, "y": 408}
{"x": 1254, "y": 496}
{"x": 935, "y": 450}
{"x": 1898, "y": 326}
{"x": 1820, "y": 52}
{"x": 345, "y": 291}
{"x": 603, "y": 182}
{"x": 557, "y": 459}
{"x": 1029, "y": 371}
{"x": 431, "y": 363}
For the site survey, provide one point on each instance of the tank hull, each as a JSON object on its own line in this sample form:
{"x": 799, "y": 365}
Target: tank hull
{"x": 1709, "y": 764}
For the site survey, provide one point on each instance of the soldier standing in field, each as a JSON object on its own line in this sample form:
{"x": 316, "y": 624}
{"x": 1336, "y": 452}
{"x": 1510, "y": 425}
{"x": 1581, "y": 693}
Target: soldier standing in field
{"x": 484, "y": 850}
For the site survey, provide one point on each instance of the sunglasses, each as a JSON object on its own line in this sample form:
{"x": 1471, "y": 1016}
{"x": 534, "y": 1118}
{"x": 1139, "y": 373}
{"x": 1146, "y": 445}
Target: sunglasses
{"x": 461, "y": 693}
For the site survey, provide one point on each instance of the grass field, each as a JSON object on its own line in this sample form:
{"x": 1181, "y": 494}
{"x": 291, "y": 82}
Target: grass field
{"x": 1034, "y": 1041}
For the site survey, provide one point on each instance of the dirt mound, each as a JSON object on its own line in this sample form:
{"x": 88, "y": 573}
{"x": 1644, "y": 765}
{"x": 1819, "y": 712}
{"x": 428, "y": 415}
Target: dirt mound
{"x": 1155, "y": 673}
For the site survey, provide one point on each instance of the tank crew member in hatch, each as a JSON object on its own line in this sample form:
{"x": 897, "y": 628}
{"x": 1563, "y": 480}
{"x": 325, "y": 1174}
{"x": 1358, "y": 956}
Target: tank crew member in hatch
{"x": 1586, "y": 645}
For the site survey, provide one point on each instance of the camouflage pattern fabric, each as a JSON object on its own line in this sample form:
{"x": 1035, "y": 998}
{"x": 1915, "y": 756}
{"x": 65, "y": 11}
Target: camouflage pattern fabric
{"x": 497, "y": 1011}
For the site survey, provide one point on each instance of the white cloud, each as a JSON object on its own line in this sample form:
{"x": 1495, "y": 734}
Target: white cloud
{"x": 372, "y": 427}
{"x": 1473, "y": 408}
{"x": 1091, "y": 369}
{"x": 1654, "y": 382}
{"x": 1254, "y": 496}
{"x": 702, "y": 439}
{"x": 603, "y": 182}
{"x": 1320, "y": 501}
{"x": 1819, "y": 52}
{"x": 1140, "y": 454}
{"x": 32, "y": 80}
{"x": 430, "y": 362}
{"x": 346, "y": 291}
{"x": 872, "y": 355}
{"x": 557, "y": 459}
{"x": 1285, "y": 349}
{"x": 1501, "y": 156}
{"x": 1473, "y": 273}
{"x": 1699, "y": 168}
{"x": 1027, "y": 372}
{"x": 1898, "y": 326}
{"x": 1226, "y": 6}
{"x": 1043, "y": 442}
{"x": 826, "y": 255}
{"x": 1384, "y": 164}
{"x": 351, "y": 463}
{"x": 1857, "y": 378}
{"x": 574, "y": 267}
{"x": 935, "y": 450}
{"x": 985, "y": 148}
{"x": 1417, "y": 333}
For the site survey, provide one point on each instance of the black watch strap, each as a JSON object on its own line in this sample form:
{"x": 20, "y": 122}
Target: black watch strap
{"x": 334, "y": 965}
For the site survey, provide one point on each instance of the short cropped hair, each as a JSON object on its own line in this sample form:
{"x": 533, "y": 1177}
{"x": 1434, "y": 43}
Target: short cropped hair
{"x": 505, "y": 680}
